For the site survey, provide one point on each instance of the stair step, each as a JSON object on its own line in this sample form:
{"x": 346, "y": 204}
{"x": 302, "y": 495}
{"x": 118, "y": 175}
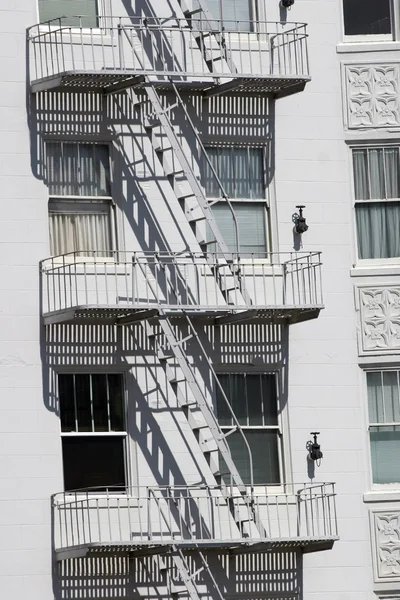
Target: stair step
{"x": 194, "y": 11}
{"x": 152, "y": 124}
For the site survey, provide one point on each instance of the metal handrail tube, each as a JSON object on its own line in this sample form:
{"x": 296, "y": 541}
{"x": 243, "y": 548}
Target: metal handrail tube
{"x": 175, "y": 514}
{"x": 182, "y": 280}
{"x": 239, "y": 40}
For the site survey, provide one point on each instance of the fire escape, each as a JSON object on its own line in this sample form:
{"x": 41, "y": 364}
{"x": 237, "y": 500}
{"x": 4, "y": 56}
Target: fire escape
{"x": 160, "y": 62}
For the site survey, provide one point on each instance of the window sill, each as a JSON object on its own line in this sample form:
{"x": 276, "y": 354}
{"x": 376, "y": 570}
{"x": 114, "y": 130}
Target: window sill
{"x": 367, "y": 46}
{"x": 382, "y": 270}
{"x": 390, "y": 495}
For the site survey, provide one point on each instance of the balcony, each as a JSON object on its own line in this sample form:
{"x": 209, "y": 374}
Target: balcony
{"x": 151, "y": 520}
{"x": 122, "y": 287}
{"x": 197, "y": 55}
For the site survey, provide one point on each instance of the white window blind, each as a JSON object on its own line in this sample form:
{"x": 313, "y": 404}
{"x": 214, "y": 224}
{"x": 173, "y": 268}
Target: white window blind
{"x": 253, "y": 398}
{"x": 377, "y": 201}
{"x": 72, "y": 10}
{"x": 240, "y": 171}
{"x": 251, "y": 218}
{"x": 236, "y": 14}
{"x": 79, "y": 213}
{"x": 384, "y": 425}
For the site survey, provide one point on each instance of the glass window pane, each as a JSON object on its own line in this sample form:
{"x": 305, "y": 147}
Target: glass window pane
{"x": 378, "y": 230}
{"x": 376, "y": 173}
{"x": 93, "y": 462}
{"x": 366, "y": 17}
{"x": 99, "y": 394}
{"x": 264, "y": 447}
{"x": 360, "y": 169}
{"x": 385, "y": 450}
{"x": 375, "y": 398}
{"x": 71, "y": 9}
{"x": 390, "y": 396}
{"x": 392, "y": 172}
{"x": 270, "y": 399}
{"x": 83, "y": 404}
{"x": 116, "y": 395}
{"x": 223, "y": 412}
{"x": 67, "y": 404}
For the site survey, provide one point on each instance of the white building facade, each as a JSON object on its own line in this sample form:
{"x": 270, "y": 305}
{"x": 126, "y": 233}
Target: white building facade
{"x": 171, "y": 332}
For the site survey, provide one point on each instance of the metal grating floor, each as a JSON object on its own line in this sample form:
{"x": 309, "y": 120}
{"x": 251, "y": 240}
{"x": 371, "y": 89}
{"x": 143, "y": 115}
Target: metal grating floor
{"x": 105, "y": 82}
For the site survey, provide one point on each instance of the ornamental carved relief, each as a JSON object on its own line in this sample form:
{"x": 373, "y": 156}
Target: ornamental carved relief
{"x": 373, "y": 96}
{"x": 386, "y": 545}
{"x": 379, "y": 319}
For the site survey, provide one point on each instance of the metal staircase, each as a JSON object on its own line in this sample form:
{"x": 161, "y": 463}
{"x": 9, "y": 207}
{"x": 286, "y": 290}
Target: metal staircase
{"x": 209, "y": 430}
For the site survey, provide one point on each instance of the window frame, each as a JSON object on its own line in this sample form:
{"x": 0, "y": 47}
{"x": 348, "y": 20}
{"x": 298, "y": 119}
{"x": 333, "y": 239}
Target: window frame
{"x": 265, "y": 200}
{"x": 57, "y": 198}
{"x": 370, "y": 38}
{"x": 376, "y": 368}
{"x": 367, "y": 145}
{"x": 104, "y": 17}
{"x": 281, "y": 428}
{"x": 122, "y": 434}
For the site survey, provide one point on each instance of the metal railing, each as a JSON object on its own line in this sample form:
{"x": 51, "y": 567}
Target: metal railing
{"x": 166, "y": 48}
{"x": 193, "y": 515}
{"x": 180, "y": 281}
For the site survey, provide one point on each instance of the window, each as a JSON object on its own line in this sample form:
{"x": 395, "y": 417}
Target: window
{"x": 80, "y": 198}
{"x": 384, "y": 425}
{"x": 93, "y": 430}
{"x": 377, "y": 201}
{"x": 367, "y": 17}
{"x": 253, "y": 398}
{"x": 241, "y": 172}
{"x": 72, "y": 10}
{"x": 236, "y": 14}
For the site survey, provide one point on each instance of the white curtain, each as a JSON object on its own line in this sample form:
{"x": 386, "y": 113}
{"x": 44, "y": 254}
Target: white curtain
{"x": 384, "y": 412}
{"x": 78, "y": 169}
{"x": 376, "y": 177}
{"x": 80, "y": 231}
{"x": 240, "y": 171}
{"x": 87, "y": 9}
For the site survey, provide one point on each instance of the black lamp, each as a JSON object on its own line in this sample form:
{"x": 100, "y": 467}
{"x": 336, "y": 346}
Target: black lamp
{"x": 286, "y": 3}
{"x": 300, "y": 222}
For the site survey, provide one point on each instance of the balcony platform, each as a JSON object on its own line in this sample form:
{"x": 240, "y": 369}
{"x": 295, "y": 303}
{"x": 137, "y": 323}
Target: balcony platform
{"x": 133, "y": 550}
{"x": 198, "y": 56}
{"x": 158, "y": 520}
{"x": 115, "y": 315}
{"x": 123, "y": 288}
{"x": 109, "y": 83}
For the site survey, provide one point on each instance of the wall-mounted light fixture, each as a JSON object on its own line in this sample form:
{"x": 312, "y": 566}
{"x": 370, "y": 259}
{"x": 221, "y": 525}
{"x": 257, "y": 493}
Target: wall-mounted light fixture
{"x": 314, "y": 449}
{"x": 286, "y": 3}
{"x": 300, "y": 221}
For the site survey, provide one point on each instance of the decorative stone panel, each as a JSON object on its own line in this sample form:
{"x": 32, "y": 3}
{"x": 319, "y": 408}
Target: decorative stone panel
{"x": 372, "y": 95}
{"x": 385, "y": 538}
{"x": 379, "y": 319}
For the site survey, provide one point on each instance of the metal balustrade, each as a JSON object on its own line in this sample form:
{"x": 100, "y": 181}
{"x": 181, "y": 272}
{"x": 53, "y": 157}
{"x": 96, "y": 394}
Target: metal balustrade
{"x": 199, "y": 516}
{"x": 166, "y": 49}
{"x": 288, "y": 284}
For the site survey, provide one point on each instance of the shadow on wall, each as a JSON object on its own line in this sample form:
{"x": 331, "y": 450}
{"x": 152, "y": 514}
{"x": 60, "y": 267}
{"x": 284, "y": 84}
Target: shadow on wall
{"x": 121, "y": 578}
